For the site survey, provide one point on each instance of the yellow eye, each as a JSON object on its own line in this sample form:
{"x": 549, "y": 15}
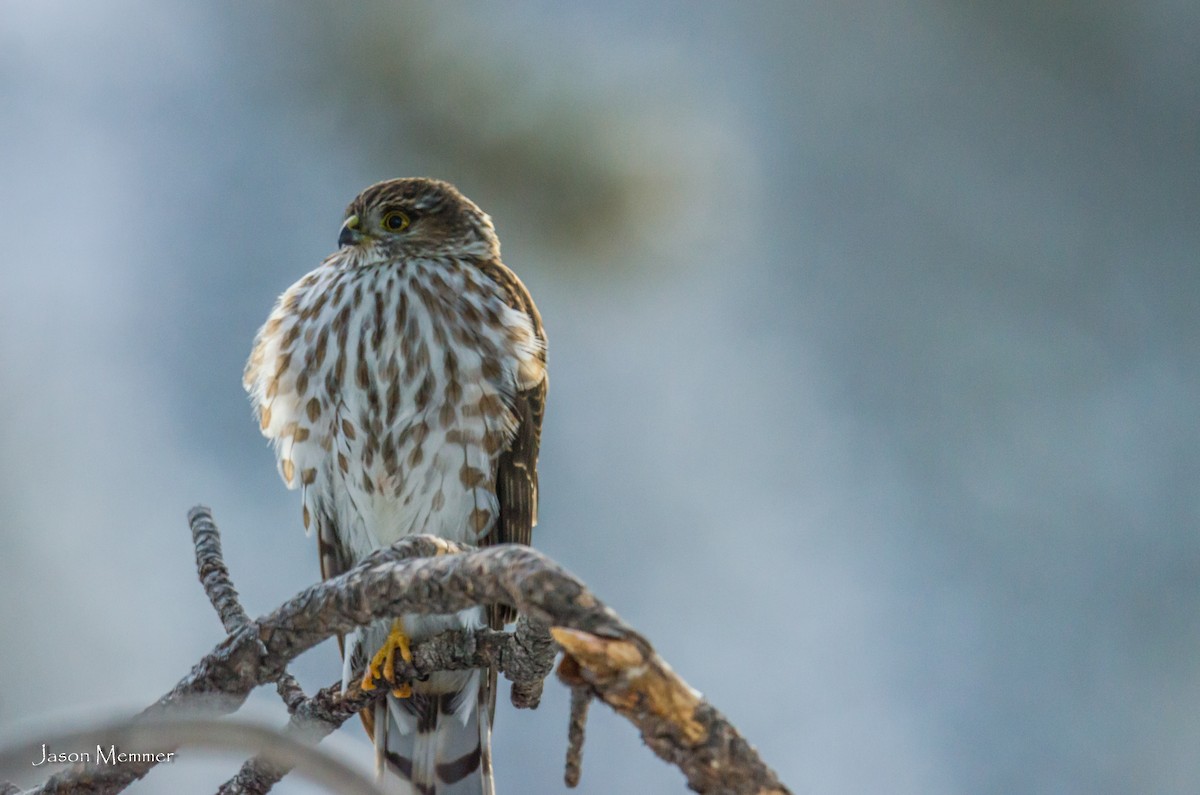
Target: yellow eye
{"x": 395, "y": 221}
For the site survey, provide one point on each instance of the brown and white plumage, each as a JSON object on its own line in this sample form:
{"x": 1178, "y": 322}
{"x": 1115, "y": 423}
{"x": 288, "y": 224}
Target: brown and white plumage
{"x": 402, "y": 384}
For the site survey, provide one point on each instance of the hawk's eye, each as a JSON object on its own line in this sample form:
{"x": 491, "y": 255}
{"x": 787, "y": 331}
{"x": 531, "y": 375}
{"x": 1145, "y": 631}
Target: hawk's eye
{"x": 395, "y": 221}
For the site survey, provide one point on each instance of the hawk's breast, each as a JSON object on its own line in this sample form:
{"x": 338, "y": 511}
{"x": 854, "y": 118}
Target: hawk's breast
{"x": 387, "y": 393}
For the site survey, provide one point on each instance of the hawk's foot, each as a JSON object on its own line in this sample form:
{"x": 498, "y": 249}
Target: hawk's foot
{"x": 383, "y": 665}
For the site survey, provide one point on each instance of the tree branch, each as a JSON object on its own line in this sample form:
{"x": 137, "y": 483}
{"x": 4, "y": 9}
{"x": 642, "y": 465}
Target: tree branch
{"x": 675, "y": 720}
{"x": 319, "y": 716}
{"x": 218, "y": 585}
{"x": 214, "y": 574}
{"x": 581, "y": 699}
{"x": 605, "y": 656}
{"x": 312, "y": 721}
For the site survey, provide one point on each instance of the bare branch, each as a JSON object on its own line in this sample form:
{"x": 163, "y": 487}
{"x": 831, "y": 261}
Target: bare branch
{"x": 675, "y": 722}
{"x": 312, "y": 721}
{"x": 581, "y": 699}
{"x": 214, "y": 576}
{"x": 290, "y": 691}
{"x": 319, "y": 716}
{"x": 527, "y": 660}
{"x": 605, "y": 655}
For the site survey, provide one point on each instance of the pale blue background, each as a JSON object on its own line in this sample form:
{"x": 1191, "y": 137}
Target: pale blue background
{"x": 874, "y": 342}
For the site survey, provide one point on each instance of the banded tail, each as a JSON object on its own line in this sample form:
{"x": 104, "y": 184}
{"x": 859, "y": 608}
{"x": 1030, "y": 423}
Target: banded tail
{"x": 438, "y": 743}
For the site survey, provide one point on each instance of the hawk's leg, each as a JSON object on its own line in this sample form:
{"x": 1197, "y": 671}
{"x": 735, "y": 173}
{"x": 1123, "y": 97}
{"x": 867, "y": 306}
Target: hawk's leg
{"x": 383, "y": 665}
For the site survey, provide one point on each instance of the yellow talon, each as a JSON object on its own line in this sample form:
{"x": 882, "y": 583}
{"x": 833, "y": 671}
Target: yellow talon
{"x": 383, "y": 664}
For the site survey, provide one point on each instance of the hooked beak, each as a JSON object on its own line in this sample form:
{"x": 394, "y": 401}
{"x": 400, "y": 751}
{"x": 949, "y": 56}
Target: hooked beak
{"x": 350, "y": 234}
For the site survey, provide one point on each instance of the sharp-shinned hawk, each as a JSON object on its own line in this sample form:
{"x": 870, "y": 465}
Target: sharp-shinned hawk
{"x": 402, "y": 384}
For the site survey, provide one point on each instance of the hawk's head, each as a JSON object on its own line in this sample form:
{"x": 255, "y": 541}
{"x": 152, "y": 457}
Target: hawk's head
{"x": 417, "y": 217}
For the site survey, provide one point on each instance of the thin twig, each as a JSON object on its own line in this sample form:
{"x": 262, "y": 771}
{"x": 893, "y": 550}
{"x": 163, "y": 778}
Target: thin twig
{"x": 312, "y": 721}
{"x": 214, "y": 575}
{"x": 290, "y": 691}
{"x": 218, "y": 584}
{"x": 581, "y": 699}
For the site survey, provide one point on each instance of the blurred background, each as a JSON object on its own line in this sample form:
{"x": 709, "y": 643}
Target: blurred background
{"x": 873, "y": 350}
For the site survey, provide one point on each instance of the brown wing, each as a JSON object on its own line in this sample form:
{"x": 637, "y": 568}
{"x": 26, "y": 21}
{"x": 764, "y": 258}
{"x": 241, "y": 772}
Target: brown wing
{"x": 516, "y": 470}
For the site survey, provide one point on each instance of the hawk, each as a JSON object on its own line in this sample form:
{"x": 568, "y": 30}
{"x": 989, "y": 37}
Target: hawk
{"x": 402, "y": 385}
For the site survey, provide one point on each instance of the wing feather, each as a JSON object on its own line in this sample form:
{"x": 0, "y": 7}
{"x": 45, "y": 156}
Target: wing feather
{"x": 516, "y": 467}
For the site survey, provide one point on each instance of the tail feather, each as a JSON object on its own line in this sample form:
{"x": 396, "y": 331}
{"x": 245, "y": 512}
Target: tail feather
{"x": 438, "y": 743}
